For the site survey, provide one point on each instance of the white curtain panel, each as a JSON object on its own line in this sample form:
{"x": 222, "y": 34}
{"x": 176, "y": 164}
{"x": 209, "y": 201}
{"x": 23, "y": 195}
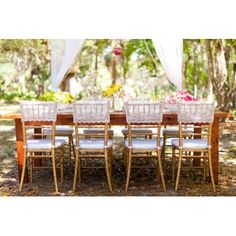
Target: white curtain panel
{"x": 63, "y": 55}
{"x": 170, "y": 53}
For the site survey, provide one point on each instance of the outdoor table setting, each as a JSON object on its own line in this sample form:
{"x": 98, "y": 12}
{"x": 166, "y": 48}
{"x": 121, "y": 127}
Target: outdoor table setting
{"x": 152, "y": 113}
{"x": 117, "y": 118}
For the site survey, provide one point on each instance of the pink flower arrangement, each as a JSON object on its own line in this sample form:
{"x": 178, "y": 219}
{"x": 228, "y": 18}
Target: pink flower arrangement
{"x": 117, "y": 51}
{"x": 179, "y": 96}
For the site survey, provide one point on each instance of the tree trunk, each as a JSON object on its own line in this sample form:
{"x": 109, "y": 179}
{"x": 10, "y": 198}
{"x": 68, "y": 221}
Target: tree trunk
{"x": 113, "y": 70}
{"x": 65, "y": 85}
{"x": 185, "y": 83}
{"x": 220, "y": 85}
{"x": 217, "y": 73}
{"x": 210, "y": 68}
{"x": 96, "y": 68}
{"x": 233, "y": 95}
{"x": 123, "y": 60}
{"x": 194, "y": 72}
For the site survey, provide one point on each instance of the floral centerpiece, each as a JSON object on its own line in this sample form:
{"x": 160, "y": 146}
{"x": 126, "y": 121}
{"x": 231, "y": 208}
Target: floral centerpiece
{"x": 179, "y": 96}
{"x": 64, "y": 99}
{"x": 111, "y": 91}
{"x": 115, "y": 91}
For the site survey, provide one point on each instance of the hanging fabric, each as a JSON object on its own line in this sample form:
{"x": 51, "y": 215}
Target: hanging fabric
{"x": 170, "y": 53}
{"x": 63, "y": 55}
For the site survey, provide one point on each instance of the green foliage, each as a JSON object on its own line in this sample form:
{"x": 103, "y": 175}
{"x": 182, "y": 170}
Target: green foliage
{"x": 59, "y": 96}
{"x": 137, "y": 47}
{"x": 234, "y": 113}
{"x": 24, "y": 68}
{"x": 78, "y": 97}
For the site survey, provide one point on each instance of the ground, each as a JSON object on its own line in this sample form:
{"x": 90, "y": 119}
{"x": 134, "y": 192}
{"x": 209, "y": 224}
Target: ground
{"x": 143, "y": 180}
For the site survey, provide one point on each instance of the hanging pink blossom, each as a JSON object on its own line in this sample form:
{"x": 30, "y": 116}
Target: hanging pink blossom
{"x": 117, "y": 51}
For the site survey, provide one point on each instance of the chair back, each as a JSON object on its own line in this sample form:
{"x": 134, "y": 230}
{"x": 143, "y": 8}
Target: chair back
{"x": 99, "y": 100}
{"x": 88, "y": 112}
{"x": 43, "y": 112}
{"x": 143, "y": 112}
{"x": 195, "y": 112}
{"x": 38, "y": 111}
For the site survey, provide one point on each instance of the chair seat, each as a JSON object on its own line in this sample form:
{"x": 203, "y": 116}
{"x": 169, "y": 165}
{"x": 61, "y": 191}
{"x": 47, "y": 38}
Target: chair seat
{"x": 191, "y": 143}
{"x": 65, "y": 138}
{"x": 43, "y": 144}
{"x": 98, "y": 131}
{"x": 144, "y": 143}
{"x": 174, "y": 131}
{"x": 138, "y": 131}
{"x": 93, "y": 143}
{"x": 60, "y": 130}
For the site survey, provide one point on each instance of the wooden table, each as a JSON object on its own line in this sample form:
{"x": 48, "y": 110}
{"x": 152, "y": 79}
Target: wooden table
{"x": 118, "y": 118}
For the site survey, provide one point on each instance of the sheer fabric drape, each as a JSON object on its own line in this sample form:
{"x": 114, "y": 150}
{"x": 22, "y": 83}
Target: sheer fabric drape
{"x": 170, "y": 52}
{"x": 63, "y": 55}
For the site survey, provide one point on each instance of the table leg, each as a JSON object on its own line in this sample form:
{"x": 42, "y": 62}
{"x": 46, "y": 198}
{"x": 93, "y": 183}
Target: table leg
{"x": 20, "y": 149}
{"x": 215, "y": 148}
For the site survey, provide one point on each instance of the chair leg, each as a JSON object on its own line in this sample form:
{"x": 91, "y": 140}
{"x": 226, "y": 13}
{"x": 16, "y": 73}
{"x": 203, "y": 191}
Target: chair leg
{"x": 173, "y": 164}
{"x": 31, "y": 169}
{"x": 62, "y": 164}
{"x": 70, "y": 147}
{"x": 54, "y": 170}
{"x": 211, "y": 170}
{"x": 110, "y": 160}
{"x": 108, "y": 172}
{"x": 73, "y": 147}
{"x": 179, "y": 169}
{"x": 23, "y": 171}
{"x": 161, "y": 170}
{"x": 128, "y": 169}
{"x": 163, "y": 151}
{"x": 76, "y": 170}
{"x": 204, "y": 170}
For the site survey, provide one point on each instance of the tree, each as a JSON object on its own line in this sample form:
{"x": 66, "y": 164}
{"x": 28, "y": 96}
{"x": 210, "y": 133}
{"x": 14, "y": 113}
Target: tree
{"x": 30, "y": 60}
{"x": 218, "y": 74}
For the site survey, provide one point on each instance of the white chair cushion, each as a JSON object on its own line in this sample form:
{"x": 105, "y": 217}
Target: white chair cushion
{"x": 175, "y": 131}
{"x": 93, "y": 143}
{"x": 65, "y": 138}
{"x": 60, "y": 130}
{"x": 97, "y": 131}
{"x": 137, "y": 131}
{"x": 43, "y": 144}
{"x": 144, "y": 143}
{"x": 191, "y": 143}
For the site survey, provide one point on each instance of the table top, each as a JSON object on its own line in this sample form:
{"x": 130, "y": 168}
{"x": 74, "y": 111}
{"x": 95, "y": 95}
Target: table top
{"x": 118, "y": 114}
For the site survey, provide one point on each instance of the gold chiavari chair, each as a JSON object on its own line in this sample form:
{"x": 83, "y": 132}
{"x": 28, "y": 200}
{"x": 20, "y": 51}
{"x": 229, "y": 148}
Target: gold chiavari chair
{"x": 144, "y": 115}
{"x": 42, "y": 114}
{"x": 92, "y": 115}
{"x": 201, "y": 115}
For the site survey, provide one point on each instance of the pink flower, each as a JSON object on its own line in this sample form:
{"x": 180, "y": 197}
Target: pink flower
{"x": 117, "y": 51}
{"x": 180, "y": 96}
